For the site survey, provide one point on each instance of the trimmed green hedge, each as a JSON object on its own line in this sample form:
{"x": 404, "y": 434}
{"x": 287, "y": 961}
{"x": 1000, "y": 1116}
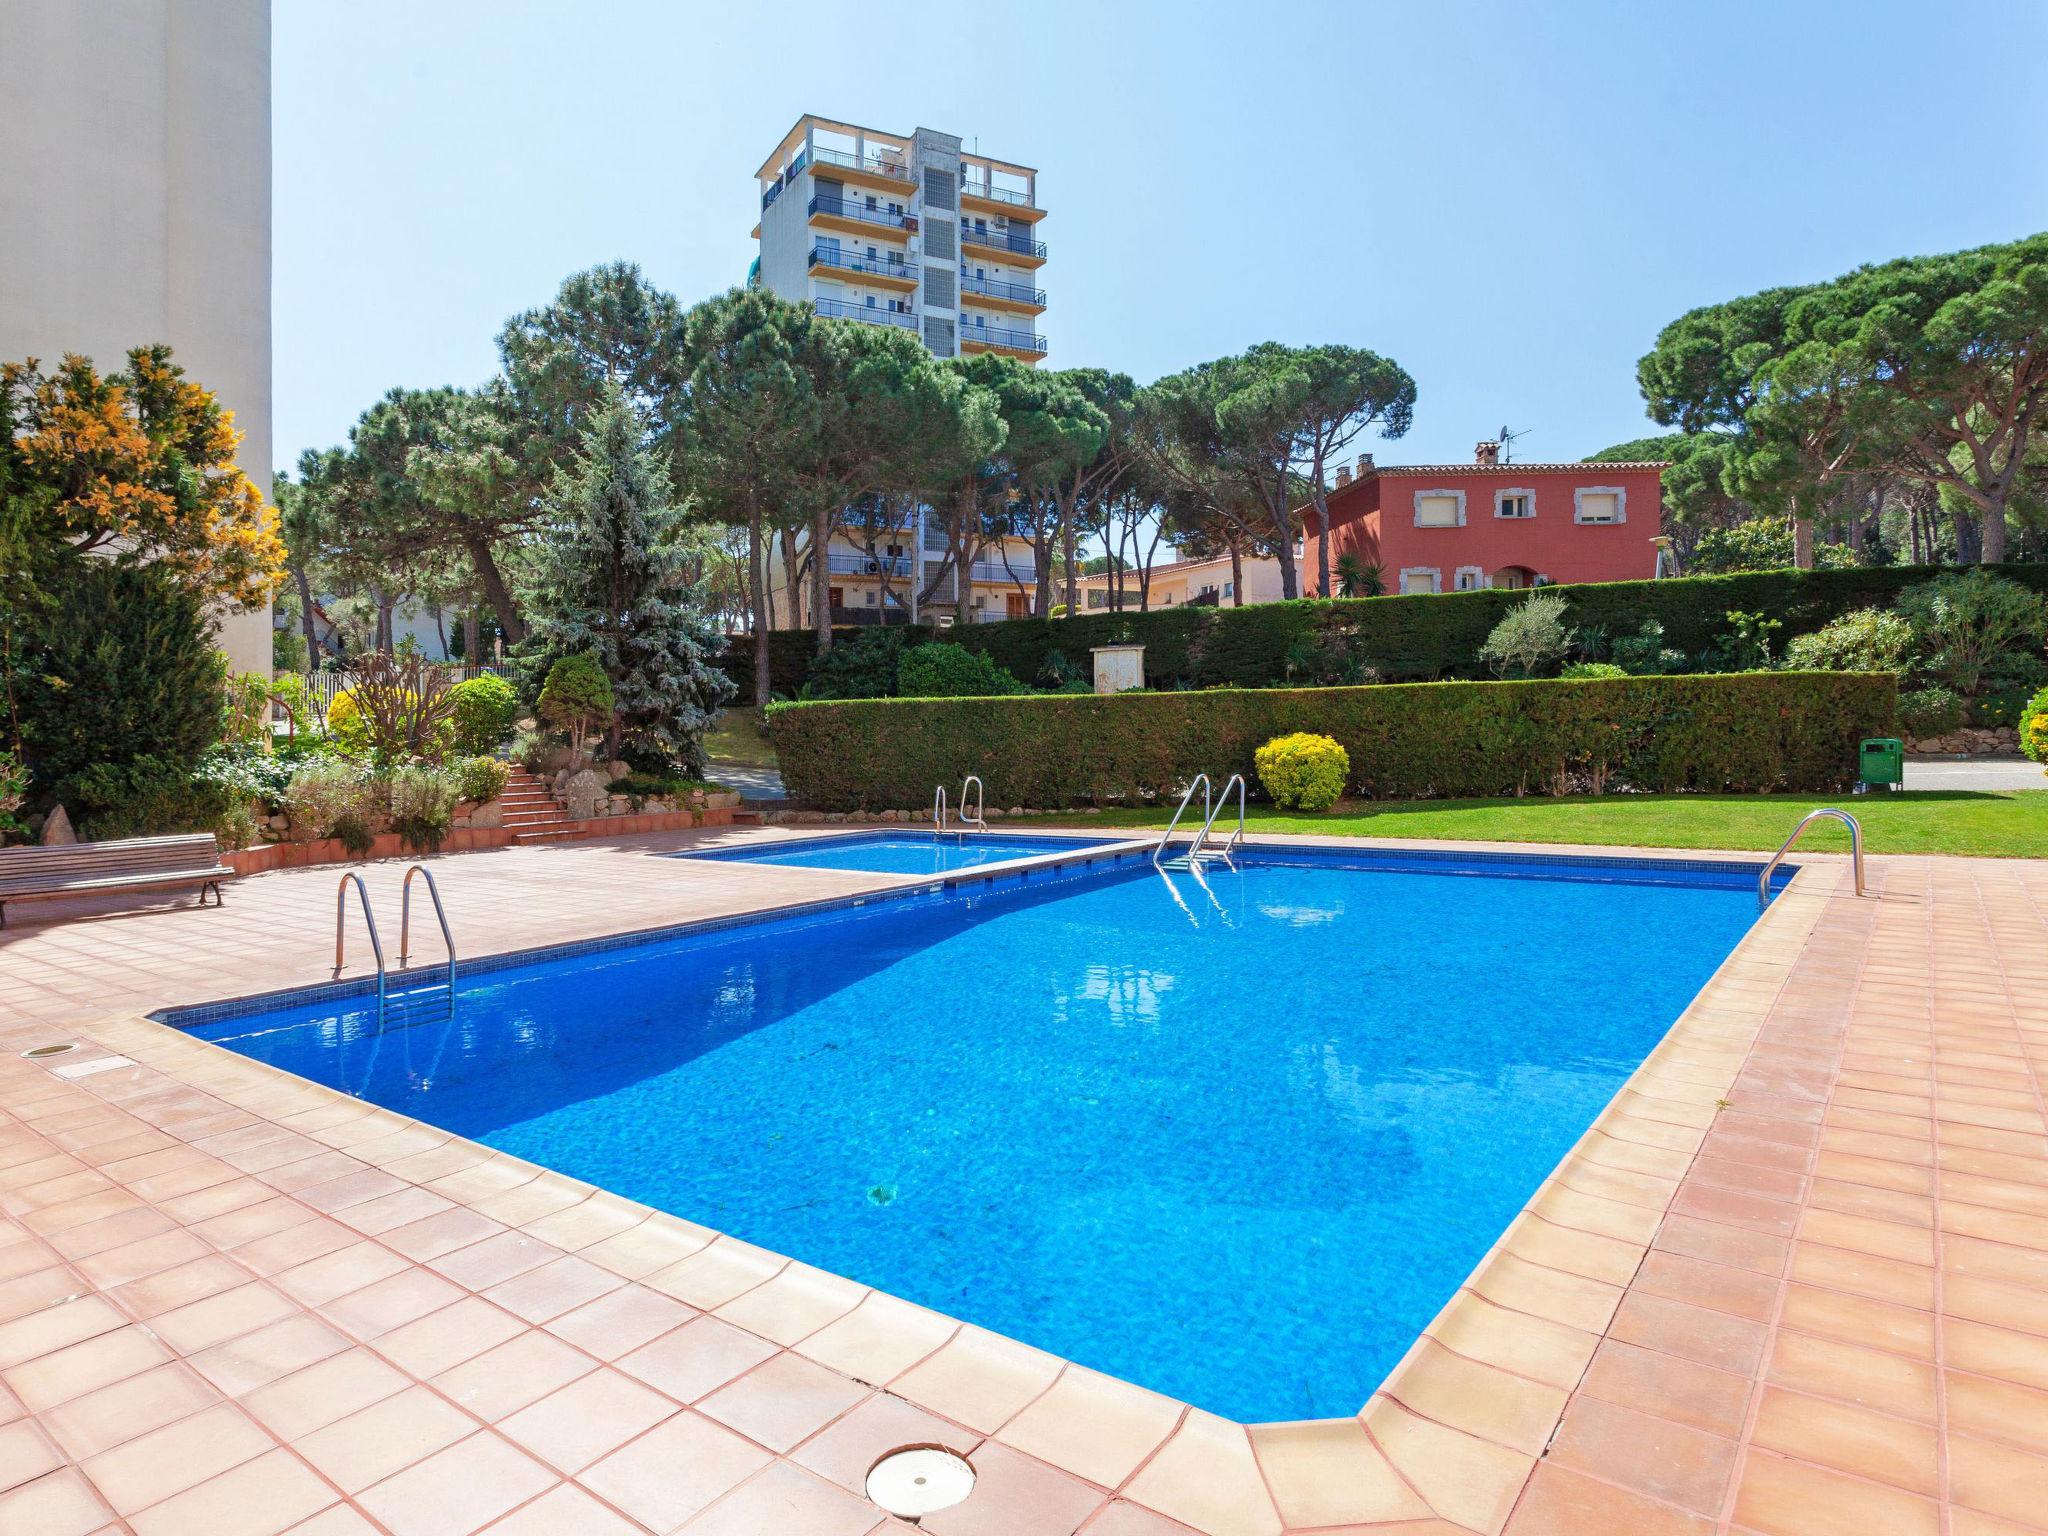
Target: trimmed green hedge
{"x": 1740, "y": 732}
{"x": 1403, "y": 638}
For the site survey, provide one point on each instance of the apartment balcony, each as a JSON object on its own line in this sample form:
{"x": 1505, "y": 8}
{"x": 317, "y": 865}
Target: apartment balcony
{"x": 1019, "y": 250}
{"x": 1021, "y": 297}
{"x": 996, "y": 571}
{"x": 874, "y": 170}
{"x": 840, "y": 564}
{"x": 995, "y": 199}
{"x": 890, "y": 270}
{"x": 988, "y": 338}
{"x": 844, "y": 213}
{"x": 872, "y": 314}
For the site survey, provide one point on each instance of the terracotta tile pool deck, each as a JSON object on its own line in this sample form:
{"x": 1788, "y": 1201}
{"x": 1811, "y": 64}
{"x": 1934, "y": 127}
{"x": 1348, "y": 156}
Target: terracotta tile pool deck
{"x": 1794, "y": 1279}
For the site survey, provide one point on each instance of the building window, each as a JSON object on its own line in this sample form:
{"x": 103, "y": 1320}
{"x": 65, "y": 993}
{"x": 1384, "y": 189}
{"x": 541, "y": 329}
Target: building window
{"x": 1229, "y": 589}
{"x": 1514, "y": 503}
{"x": 1600, "y": 504}
{"x": 871, "y": 300}
{"x": 1439, "y": 509}
{"x": 1470, "y": 578}
{"x": 1416, "y": 579}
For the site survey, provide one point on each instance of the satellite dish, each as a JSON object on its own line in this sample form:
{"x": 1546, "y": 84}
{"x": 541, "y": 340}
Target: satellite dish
{"x": 1507, "y": 443}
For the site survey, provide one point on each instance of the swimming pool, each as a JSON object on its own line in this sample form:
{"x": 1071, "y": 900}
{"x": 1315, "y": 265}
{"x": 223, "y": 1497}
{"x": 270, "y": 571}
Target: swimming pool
{"x": 1235, "y": 1139}
{"x": 894, "y": 853}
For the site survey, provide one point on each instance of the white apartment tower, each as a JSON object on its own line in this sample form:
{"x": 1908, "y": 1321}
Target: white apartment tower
{"x": 907, "y": 231}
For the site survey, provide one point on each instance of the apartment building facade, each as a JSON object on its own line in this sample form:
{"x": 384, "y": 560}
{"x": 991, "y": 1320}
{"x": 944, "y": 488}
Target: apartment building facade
{"x": 898, "y": 574}
{"x": 905, "y": 230}
{"x": 1173, "y": 584}
{"x": 1457, "y": 527}
{"x": 136, "y": 205}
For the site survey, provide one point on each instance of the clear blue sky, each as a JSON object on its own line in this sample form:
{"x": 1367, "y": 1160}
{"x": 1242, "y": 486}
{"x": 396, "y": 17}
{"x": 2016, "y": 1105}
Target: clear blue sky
{"x": 1508, "y": 199}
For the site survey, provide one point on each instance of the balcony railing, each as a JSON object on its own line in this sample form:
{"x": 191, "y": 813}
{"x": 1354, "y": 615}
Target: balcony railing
{"x": 1001, "y": 240}
{"x": 988, "y": 287}
{"x": 873, "y": 314}
{"x": 873, "y": 164}
{"x": 846, "y": 261}
{"x": 995, "y": 570}
{"x": 866, "y": 565}
{"x": 989, "y": 194}
{"x": 1021, "y": 341}
{"x": 841, "y": 208}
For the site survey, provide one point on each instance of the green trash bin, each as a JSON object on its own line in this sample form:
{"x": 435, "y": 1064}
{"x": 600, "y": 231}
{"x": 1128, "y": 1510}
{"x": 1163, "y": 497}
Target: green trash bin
{"x": 1881, "y": 760}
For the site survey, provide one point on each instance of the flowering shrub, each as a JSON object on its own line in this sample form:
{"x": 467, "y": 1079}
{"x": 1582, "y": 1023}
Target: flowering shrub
{"x": 2034, "y": 728}
{"x": 1303, "y": 772}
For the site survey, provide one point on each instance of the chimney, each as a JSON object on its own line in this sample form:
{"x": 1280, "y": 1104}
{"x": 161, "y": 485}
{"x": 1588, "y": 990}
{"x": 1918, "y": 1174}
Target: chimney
{"x": 1343, "y": 476}
{"x": 1487, "y": 453}
{"x": 1364, "y": 465}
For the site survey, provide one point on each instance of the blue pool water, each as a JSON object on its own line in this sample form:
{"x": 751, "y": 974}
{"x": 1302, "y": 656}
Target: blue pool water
{"x": 1237, "y": 1143}
{"x": 895, "y": 853}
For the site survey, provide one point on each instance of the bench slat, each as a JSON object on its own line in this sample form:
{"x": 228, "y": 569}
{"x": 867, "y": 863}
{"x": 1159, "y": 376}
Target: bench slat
{"x": 136, "y": 863}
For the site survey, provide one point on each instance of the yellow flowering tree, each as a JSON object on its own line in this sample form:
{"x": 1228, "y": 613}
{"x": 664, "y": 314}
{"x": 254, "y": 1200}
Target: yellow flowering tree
{"x": 138, "y": 464}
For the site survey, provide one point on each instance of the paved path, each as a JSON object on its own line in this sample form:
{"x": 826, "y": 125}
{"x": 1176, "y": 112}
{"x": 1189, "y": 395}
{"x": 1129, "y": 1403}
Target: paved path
{"x": 752, "y": 782}
{"x": 1974, "y": 773}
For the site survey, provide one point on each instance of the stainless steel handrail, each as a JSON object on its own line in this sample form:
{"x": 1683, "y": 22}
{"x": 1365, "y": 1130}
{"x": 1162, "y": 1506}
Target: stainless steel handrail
{"x": 1195, "y": 848}
{"x": 369, "y": 920}
{"x": 440, "y": 913}
{"x": 979, "y": 820}
{"x": 1199, "y": 781}
{"x": 1763, "y": 880}
{"x": 938, "y": 808}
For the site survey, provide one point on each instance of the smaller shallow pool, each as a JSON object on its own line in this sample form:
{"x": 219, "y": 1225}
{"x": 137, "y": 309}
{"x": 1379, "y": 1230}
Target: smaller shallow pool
{"x": 896, "y": 853}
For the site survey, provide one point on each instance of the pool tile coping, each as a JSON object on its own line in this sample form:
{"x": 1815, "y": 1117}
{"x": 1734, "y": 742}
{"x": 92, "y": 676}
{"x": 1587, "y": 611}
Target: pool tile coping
{"x": 1453, "y": 1432}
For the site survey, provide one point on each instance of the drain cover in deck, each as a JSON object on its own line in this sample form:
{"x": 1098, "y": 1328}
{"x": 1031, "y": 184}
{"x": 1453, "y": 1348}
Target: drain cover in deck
{"x": 919, "y": 1479}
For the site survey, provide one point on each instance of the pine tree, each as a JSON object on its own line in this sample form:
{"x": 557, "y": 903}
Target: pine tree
{"x": 613, "y": 586}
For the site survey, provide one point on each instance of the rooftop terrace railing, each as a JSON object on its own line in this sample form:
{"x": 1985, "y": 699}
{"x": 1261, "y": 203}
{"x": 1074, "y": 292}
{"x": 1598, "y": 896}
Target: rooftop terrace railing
{"x": 992, "y": 194}
{"x": 874, "y": 164}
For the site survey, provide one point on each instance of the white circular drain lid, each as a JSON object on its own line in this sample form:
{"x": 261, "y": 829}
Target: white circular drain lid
{"x": 919, "y": 1479}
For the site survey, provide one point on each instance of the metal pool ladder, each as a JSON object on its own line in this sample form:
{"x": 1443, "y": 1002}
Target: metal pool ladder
{"x": 370, "y": 922}
{"x": 1209, "y": 803}
{"x": 979, "y": 820}
{"x": 384, "y": 997}
{"x": 1763, "y": 880}
{"x": 962, "y": 822}
{"x": 1198, "y": 849}
{"x": 440, "y": 915}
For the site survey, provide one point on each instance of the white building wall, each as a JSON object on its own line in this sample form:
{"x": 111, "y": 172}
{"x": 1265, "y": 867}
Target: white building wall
{"x": 135, "y": 206}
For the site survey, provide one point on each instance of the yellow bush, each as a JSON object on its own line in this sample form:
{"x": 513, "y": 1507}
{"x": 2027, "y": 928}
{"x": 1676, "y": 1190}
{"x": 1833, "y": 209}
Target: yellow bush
{"x": 1303, "y": 771}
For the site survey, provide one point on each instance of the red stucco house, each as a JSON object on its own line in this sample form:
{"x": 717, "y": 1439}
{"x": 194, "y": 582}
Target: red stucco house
{"x": 1453, "y": 527}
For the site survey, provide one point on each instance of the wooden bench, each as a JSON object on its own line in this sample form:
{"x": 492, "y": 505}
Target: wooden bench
{"x": 129, "y": 864}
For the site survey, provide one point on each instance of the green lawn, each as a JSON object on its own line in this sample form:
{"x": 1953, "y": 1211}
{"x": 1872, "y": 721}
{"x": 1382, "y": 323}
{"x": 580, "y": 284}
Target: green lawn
{"x": 2003, "y": 824}
{"x": 737, "y": 738}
